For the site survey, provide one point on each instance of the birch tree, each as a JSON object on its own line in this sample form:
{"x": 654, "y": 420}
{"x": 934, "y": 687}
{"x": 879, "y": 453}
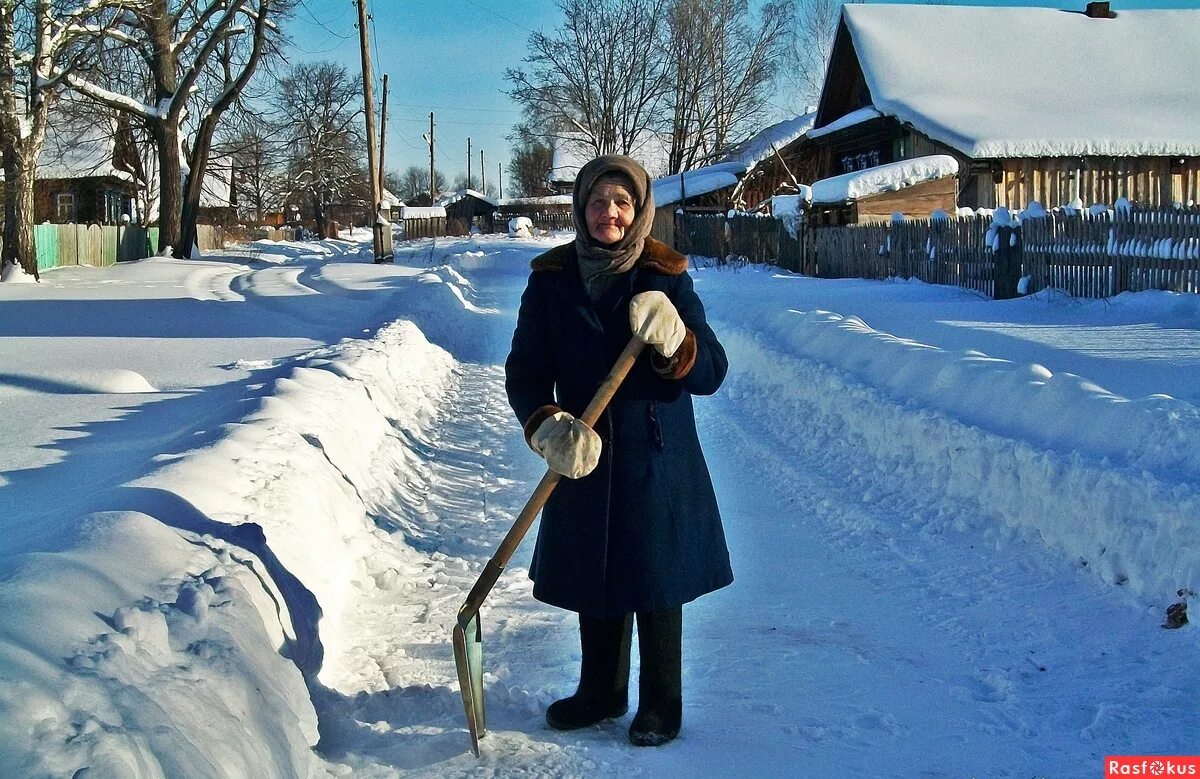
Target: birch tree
{"x": 181, "y": 45}
{"x": 41, "y": 43}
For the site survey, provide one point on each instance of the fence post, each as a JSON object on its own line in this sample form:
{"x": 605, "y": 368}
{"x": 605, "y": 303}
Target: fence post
{"x": 1007, "y": 274}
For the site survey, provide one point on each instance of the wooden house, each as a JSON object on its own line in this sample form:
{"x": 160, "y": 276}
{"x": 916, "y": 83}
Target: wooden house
{"x": 1034, "y": 103}
{"x": 86, "y": 172}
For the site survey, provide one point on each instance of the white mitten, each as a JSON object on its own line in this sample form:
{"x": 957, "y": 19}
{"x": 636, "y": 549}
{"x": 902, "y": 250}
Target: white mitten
{"x": 653, "y": 319}
{"x": 567, "y": 445}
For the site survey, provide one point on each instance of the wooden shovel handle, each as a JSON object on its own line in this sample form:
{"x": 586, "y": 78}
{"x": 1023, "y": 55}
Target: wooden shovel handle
{"x": 495, "y": 566}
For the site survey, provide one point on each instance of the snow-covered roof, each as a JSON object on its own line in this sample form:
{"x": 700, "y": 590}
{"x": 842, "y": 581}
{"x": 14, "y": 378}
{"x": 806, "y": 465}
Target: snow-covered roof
{"x": 1028, "y": 82}
{"x": 547, "y": 200}
{"x": 77, "y": 148}
{"x": 700, "y": 181}
{"x": 454, "y": 197}
{"x": 883, "y": 178}
{"x": 758, "y": 147}
{"x": 421, "y": 212}
{"x": 216, "y": 191}
{"x": 865, "y": 114}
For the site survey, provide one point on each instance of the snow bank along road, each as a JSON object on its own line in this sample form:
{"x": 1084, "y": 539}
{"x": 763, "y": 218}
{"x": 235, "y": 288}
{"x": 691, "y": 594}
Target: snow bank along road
{"x": 929, "y": 583}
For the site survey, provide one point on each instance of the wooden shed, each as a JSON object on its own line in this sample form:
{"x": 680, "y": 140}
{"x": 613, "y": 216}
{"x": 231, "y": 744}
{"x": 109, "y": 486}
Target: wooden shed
{"x": 1034, "y": 103}
{"x": 467, "y": 209}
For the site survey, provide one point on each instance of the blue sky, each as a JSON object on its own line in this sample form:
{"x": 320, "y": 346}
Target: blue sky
{"x": 449, "y": 57}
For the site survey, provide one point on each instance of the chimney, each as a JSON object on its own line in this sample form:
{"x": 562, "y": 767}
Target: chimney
{"x": 1099, "y": 9}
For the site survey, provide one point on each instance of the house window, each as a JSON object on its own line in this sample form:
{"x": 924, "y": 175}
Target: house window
{"x": 64, "y": 206}
{"x": 114, "y": 206}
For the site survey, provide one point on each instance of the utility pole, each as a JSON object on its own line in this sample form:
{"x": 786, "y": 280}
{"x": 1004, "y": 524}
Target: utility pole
{"x": 383, "y": 135}
{"x": 382, "y": 253}
{"x": 429, "y": 138}
{"x": 500, "y": 179}
{"x": 482, "y": 174}
{"x": 468, "y": 162}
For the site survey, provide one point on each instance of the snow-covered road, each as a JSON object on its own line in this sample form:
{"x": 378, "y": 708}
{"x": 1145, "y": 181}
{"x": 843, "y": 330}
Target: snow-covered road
{"x": 877, "y": 625}
{"x": 928, "y": 583}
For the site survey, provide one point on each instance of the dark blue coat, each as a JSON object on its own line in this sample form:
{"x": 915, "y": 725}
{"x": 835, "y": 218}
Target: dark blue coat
{"x": 641, "y": 532}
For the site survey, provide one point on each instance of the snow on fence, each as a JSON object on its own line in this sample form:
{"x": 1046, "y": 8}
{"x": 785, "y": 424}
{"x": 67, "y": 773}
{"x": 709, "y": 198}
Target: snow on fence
{"x": 1103, "y": 254}
{"x": 542, "y": 220}
{"x": 1086, "y": 254}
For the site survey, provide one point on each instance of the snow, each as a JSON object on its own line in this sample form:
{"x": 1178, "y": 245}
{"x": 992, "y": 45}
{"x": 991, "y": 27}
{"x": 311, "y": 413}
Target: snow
{"x": 857, "y": 116}
{"x": 78, "y": 148}
{"x": 454, "y": 197}
{"x": 763, "y": 144}
{"x": 546, "y": 200}
{"x": 244, "y": 497}
{"x": 883, "y": 178}
{"x": 1028, "y": 82}
{"x": 421, "y": 212}
{"x": 701, "y": 181}
{"x": 572, "y": 150}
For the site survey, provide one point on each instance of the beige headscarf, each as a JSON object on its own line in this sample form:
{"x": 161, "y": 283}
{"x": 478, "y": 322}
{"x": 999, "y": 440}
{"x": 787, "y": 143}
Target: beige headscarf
{"x": 596, "y": 260}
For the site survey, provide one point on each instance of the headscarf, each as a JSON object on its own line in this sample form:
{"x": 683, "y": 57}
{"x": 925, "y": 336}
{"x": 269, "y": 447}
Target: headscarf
{"x": 599, "y": 262}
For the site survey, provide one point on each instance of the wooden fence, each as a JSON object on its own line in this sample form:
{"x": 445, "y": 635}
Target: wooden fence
{"x": 1085, "y": 255}
{"x": 424, "y": 228}
{"x": 60, "y": 245}
{"x": 542, "y": 220}
{"x": 937, "y": 251}
{"x": 747, "y": 239}
{"x": 1107, "y": 254}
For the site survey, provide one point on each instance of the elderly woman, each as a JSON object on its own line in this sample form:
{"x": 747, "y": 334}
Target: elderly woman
{"x": 634, "y": 528}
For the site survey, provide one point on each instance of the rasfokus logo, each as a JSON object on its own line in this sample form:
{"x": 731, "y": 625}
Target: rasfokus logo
{"x": 1151, "y": 765}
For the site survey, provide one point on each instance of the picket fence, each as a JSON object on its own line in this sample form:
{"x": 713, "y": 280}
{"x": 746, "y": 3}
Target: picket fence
{"x": 1082, "y": 254}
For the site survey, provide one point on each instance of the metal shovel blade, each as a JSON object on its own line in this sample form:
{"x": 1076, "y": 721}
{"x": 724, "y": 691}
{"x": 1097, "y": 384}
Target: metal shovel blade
{"x": 468, "y": 656}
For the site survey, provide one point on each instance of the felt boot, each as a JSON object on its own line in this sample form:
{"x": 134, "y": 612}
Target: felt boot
{"x": 660, "y": 687}
{"x": 603, "y": 690}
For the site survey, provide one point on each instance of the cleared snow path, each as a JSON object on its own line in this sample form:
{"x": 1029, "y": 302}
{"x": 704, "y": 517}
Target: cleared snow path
{"x": 886, "y": 619}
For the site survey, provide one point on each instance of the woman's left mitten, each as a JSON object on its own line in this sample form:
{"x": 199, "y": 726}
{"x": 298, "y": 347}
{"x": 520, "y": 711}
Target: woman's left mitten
{"x": 654, "y": 320}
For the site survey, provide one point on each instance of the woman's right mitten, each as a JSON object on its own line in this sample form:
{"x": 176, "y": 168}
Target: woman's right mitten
{"x": 567, "y": 445}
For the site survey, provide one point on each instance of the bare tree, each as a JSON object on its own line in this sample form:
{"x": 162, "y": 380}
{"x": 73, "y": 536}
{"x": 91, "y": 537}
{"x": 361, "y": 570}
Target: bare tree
{"x": 413, "y": 184}
{"x": 598, "y": 79}
{"x": 816, "y": 24}
{"x": 723, "y": 64}
{"x": 185, "y": 57}
{"x": 41, "y": 42}
{"x": 529, "y": 168}
{"x": 258, "y": 155}
{"x": 321, "y": 125}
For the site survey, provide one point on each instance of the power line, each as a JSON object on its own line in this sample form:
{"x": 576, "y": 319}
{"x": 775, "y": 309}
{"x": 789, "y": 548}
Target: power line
{"x": 456, "y": 108}
{"x": 499, "y": 15}
{"x": 324, "y": 26}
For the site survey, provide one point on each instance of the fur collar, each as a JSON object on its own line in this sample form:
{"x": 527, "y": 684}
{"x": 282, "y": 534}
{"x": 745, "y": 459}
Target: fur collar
{"x": 656, "y": 256}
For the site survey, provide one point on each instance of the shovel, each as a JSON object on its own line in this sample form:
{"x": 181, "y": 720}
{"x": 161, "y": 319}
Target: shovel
{"x": 468, "y": 636}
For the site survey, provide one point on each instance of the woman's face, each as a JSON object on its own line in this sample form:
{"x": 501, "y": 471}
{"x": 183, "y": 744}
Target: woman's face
{"x": 609, "y": 212}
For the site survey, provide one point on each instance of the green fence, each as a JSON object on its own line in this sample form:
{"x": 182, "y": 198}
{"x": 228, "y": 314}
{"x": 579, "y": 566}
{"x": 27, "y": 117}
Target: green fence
{"x": 60, "y": 245}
